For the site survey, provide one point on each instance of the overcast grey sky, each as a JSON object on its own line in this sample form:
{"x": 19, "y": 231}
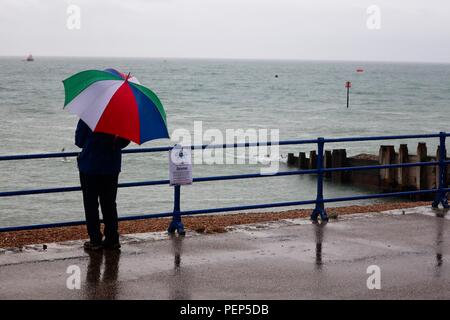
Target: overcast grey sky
{"x": 411, "y": 30}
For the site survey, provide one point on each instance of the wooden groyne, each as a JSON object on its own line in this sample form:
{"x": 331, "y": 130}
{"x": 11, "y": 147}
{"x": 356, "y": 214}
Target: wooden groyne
{"x": 386, "y": 180}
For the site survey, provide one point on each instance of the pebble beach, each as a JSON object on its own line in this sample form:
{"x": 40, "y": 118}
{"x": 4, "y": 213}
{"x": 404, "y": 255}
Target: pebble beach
{"x": 204, "y": 224}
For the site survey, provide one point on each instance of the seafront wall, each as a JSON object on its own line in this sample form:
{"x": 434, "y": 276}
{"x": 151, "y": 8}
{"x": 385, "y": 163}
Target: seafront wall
{"x": 385, "y": 180}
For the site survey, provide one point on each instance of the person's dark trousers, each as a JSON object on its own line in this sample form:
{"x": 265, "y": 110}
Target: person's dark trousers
{"x": 103, "y": 188}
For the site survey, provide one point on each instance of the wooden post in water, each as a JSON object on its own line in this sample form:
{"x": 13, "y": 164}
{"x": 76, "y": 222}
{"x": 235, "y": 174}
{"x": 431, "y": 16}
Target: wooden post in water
{"x": 312, "y": 159}
{"x": 387, "y": 156}
{"x": 348, "y": 85}
{"x": 302, "y": 163}
{"x": 436, "y": 168}
{"x": 339, "y": 158}
{"x": 421, "y": 176}
{"x": 403, "y": 157}
{"x": 328, "y": 162}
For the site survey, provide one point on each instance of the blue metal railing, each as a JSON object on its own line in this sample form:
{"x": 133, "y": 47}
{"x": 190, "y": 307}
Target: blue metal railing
{"x": 319, "y": 201}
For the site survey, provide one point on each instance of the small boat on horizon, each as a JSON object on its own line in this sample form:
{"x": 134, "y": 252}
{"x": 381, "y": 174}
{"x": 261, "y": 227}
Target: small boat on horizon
{"x": 30, "y": 57}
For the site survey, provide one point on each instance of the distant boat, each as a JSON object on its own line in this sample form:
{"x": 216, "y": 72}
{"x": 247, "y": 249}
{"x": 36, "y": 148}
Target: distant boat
{"x": 30, "y": 57}
{"x": 360, "y": 70}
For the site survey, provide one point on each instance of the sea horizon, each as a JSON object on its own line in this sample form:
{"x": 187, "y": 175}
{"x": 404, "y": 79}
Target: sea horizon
{"x": 235, "y": 59}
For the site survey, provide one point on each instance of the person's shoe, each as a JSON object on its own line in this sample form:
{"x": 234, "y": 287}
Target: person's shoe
{"x": 88, "y": 245}
{"x": 111, "y": 245}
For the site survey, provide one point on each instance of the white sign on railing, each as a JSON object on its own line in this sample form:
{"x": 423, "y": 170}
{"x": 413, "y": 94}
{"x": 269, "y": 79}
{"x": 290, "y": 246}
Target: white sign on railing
{"x": 180, "y": 166}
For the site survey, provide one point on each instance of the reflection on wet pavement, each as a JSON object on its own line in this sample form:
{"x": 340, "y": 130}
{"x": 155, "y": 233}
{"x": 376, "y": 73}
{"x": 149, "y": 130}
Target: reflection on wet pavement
{"x": 179, "y": 283}
{"x": 439, "y": 240}
{"x": 318, "y": 231}
{"x": 103, "y": 287}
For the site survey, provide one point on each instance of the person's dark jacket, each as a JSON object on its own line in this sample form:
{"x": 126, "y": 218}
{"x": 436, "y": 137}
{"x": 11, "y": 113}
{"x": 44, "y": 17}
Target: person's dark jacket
{"x": 101, "y": 154}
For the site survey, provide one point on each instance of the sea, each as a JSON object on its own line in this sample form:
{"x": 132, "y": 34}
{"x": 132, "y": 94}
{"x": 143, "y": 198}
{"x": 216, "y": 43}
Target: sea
{"x": 297, "y": 99}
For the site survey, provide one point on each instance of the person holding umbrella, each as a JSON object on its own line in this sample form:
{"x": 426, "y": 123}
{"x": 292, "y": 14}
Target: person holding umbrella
{"x": 99, "y": 164}
{"x": 114, "y": 109}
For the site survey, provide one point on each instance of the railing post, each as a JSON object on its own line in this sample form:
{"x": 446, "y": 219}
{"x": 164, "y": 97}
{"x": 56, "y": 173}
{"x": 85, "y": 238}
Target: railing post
{"x": 441, "y": 195}
{"x": 176, "y": 224}
{"x": 320, "y": 209}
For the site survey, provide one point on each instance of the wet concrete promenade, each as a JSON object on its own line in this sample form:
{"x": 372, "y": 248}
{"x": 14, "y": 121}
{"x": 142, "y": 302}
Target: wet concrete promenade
{"x": 288, "y": 259}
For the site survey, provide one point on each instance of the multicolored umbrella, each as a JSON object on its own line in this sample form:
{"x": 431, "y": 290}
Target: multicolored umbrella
{"x": 112, "y": 102}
